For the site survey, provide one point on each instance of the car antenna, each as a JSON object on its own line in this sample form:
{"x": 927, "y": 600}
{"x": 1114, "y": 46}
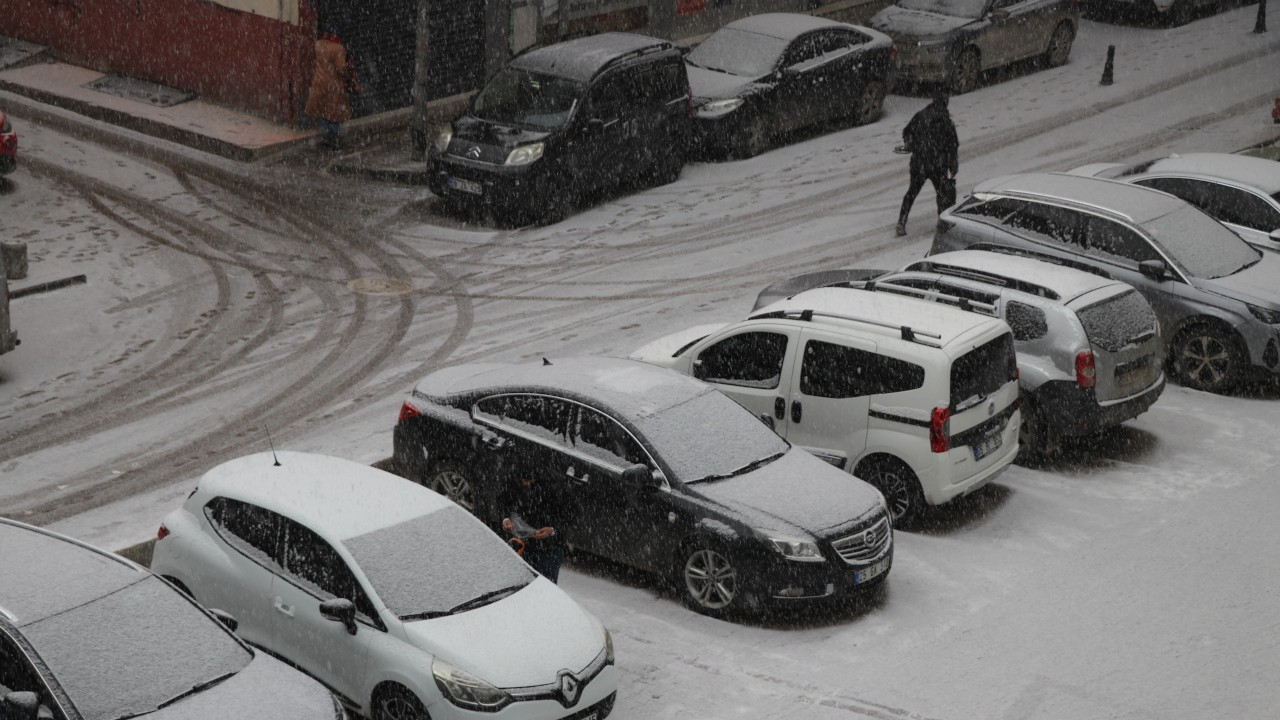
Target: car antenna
{"x": 545, "y": 362}
{"x": 273, "y": 448}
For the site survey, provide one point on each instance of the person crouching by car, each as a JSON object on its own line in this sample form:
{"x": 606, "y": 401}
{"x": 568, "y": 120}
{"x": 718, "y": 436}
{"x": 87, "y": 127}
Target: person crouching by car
{"x": 534, "y": 515}
{"x": 329, "y": 100}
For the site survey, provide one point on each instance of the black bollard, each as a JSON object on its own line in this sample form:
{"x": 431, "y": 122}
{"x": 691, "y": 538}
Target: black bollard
{"x": 1109, "y": 69}
{"x": 1260, "y": 26}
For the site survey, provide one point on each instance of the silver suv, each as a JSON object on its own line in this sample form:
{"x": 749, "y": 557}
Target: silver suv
{"x": 1216, "y": 297}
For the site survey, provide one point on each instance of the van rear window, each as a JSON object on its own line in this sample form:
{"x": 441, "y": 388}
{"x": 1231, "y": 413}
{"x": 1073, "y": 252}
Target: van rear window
{"x": 982, "y": 371}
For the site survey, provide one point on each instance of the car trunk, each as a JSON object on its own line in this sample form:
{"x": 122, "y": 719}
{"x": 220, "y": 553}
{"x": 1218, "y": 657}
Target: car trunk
{"x": 1124, "y": 336}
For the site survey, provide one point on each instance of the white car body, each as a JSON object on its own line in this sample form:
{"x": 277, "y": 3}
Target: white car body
{"x": 549, "y": 656}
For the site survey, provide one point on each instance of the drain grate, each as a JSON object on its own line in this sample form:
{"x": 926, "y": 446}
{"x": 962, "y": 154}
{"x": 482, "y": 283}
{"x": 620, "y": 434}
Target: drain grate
{"x": 140, "y": 90}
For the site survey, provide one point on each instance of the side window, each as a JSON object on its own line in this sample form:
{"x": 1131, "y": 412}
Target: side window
{"x": 802, "y": 50}
{"x": 319, "y": 569}
{"x": 674, "y": 83}
{"x": 1244, "y": 208}
{"x": 250, "y": 529}
{"x": 1028, "y": 322}
{"x": 608, "y": 97}
{"x": 1047, "y": 222}
{"x": 601, "y": 437}
{"x": 750, "y": 359}
{"x": 832, "y": 41}
{"x": 541, "y": 416}
{"x": 835, "y": 371}
{"x": 1112, "y": 240}
{"x": 17, "y": 674}
{"x": 1177, "y": 187}
{"x": 997, "y": 209}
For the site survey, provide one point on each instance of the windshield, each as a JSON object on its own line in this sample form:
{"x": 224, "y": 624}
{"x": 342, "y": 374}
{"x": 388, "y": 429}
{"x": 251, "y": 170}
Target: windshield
{"x": 1204, "y": 247}
{"x": 132, "y": 650}
{"x": 971, "y": 9}
{"x": 709, "y": 435}
{"x": 432, "y": 564}
{"x": 738, "y": 52}
{"x": 520, "y": 97}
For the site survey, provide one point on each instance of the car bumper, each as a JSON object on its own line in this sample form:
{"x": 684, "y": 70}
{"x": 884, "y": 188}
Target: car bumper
{"x": 517, "y": 187}
{"x": 1263, "y": 342}
{"x": 595, "y": 704}
{"x": 8, "y": 163}
{"x": 1071, "y": 411}
{"x": 717, "y": 132}
{"x": 774, "y": 581}
{"x": 956, "y": 475}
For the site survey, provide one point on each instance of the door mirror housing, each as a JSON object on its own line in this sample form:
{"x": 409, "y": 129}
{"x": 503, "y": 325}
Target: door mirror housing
{"x": 595, "y": 126}
{"x": 767, "y": 419}
{"x": 1275, "y": 236}
{"x": 225, "y": 618}
{"x": 21, "y": 705}
{"x": 1154, "y": 269}
{"x": 641, "y": 477}
{"x": 340, "y": 610}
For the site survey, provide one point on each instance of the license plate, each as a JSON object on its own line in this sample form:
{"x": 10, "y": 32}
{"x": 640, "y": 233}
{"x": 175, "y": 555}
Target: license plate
{"x": 466, "y": 186}
{"x": 589, "y": 716}
{"x": 986, "y": 446}
{"x": 870, "y": 572}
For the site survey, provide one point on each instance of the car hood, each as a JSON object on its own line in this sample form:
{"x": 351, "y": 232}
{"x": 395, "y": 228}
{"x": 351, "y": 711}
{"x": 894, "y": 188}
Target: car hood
{"x": 469, "y": 130}
{"x": 522, "y": 640}
{"x": 265, "y": 689}
{"x": 795, "y": 492}
{"x": 662, "y": 351}
{"x": 713, "y": 85}
{"x": 899, "y": 22}
{"x": 1257, "y": 285}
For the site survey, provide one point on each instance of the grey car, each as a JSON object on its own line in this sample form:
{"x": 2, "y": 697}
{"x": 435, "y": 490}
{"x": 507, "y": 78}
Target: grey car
{"x": 955, "y": 41}
{"x": 1216, "y": 296}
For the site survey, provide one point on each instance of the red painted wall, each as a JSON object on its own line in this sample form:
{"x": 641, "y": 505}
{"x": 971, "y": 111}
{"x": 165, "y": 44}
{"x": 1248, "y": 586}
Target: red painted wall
{"x": 235, "y": 58}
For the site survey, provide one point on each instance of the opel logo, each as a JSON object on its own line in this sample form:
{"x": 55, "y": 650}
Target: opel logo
{"x": 569, "y": 688}
{"x": 474, "y": 152}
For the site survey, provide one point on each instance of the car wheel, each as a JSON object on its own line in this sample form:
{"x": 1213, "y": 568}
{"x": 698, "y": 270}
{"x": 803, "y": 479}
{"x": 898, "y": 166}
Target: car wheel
{"x": 754, "y": 140}
{"x": 398, "y": 703}
{"x": 561, "y": 201}
{"x": 450, "y": 482}
{"x": 964, "y": 77}
{"x": 898, "y": 484}
{"x": 870, "y": 103}
{"x": 1180, "y": 14}
{"x": 1207, "y": 358}
{"x": 709, "y": 579}
{"x": 1059, "y": 45}
{"x": 669, "y": 167}
{"x": 1035, "y": 437}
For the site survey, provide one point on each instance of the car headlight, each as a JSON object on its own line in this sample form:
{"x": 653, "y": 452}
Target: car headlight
{"x": 720, "y": 106}
{"x": 1270, "y": 317}
{"x": 795, "y": 549}
{"x": 525, "y": 154}
{"x": 466, "y": 690}
{"x": 444, "y": 138}
{"x": 608, "y": 645}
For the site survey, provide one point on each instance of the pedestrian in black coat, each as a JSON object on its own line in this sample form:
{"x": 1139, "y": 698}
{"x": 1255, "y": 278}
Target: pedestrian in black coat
{"x": 536, "y": 514}
{"x": 931, "y": 139}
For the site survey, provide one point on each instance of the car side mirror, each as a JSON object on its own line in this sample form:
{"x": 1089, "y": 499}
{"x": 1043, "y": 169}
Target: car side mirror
{"x": 999, "y": 14}
{"x": 640, "y": 476}
{"x": 1154, "y": 269}
{"x": 767, "y": 419}
{"x": 595, "y": 126}
{"x": 1275, "y": 235}
{"x": 225, "y": 618}
{"x": 340, "y": 610}
{"x": 21, "y": 705}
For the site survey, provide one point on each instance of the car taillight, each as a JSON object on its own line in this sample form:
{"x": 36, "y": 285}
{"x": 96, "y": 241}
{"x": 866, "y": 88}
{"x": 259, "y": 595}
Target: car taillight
{"x": 940, "y": 430}
{"x": 162, "y": 533}
{"x": 1086, "y": 373}
{"x": 893, "y": 52}
{"x": 408, "y": 411}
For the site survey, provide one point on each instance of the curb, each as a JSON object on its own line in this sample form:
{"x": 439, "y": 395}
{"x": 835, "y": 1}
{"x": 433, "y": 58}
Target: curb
{"x": 47, "y": 286}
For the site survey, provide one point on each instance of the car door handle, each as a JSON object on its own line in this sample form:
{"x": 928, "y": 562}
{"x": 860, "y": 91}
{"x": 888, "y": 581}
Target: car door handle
{"x": 281, "y": 608}
{"x": 779, "y": 408}
{"x": 796, "y": 411}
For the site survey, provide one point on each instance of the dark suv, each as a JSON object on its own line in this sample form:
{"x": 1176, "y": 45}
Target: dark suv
{"x": 561, "y": 120}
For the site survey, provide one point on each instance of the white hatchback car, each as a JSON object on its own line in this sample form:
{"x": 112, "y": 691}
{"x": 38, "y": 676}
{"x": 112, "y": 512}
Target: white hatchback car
{"x": 400, "y": 601}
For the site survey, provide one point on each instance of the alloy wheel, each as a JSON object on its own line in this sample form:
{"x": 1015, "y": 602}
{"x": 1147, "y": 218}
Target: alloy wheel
{"x": 396, "y": 707}
{"x": 711, "y": 579}
{"x": 1060, "y": 45}
{"x": 453, "y": 485}
{"x": 897, "y": 493}
{"x": 965, "y": 77}
{"x": 870, "y": 103}
{"x": 1206, "y": 361}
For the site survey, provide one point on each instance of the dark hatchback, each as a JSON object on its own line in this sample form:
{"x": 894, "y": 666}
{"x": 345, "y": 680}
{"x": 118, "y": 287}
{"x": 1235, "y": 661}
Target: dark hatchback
{"x": 664, "y": 474}
{"x": 560, "y": 122}
{"x": 766, "y": 75}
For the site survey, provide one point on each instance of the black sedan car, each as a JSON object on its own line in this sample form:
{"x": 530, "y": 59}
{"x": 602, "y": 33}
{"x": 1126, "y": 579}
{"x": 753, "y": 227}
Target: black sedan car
{"x": 766, "y": 75}
{"x": 88, "y": 635}
{"x": 662, "y": 473}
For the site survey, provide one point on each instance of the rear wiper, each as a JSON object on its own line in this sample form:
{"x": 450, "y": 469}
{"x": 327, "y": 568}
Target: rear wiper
{"x": 485, "y": 599}
{"x": 194, "y": 689}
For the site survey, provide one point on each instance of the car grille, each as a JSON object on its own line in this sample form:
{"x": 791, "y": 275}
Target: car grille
{"x": 866, "y": 546}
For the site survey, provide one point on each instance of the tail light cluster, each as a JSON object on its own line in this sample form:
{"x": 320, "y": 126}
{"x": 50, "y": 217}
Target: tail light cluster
{"x": 1086, "y": 372}
{"x": 940, "y": 430}
{"x": 162, "y": 533}
{"x": 408, "y": 411}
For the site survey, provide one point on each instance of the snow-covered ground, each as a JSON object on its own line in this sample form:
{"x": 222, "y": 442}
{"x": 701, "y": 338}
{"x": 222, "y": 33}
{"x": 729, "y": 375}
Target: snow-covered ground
{"x": 1137, "y": 578}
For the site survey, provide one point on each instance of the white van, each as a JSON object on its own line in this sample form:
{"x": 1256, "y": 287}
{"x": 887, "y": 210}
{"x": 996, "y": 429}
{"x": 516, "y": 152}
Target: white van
{"x": 919, "y": 399}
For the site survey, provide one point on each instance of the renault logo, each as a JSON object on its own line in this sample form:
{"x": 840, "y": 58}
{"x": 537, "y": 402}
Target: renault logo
{"x": 569, "y": 687}
{"x": 474, "y": 152}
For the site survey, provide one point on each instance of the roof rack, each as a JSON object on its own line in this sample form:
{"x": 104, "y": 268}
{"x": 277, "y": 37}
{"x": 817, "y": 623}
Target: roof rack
{"x": 985, "y": 277}
{"x": 1041, "y": 256}
{"x": 908, "y": 333}
{"x": 932, "y": 295}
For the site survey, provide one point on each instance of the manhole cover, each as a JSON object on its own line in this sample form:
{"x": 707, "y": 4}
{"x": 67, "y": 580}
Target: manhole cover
{"x": 380, "y": 286}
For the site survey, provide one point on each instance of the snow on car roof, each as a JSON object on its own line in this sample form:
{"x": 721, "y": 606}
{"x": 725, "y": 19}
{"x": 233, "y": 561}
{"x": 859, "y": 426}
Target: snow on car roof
{"x": 46, "y": 574}
{"x": 921, "y": 315}
{"x": 581, "y": 58}
{"x": 1257, "y": 172}
{"x": 630, "y": 388}
{"x": 335, "y": 497}
{"x": 784, "y": 26}
{"x": 1137, "y": 203}
{"x": 1068, "y": 283}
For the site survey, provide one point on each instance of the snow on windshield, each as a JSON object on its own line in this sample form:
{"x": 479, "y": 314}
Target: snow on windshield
{"x": 1202, "y": 245}
{"x": 520, "y": 97}
{"x": 955, "y": 8}
{"x": 131, "y": 650}
{"x": 738, "y": 52}
{"x": 709, "y": 435}
{"x": 436, "y": 562}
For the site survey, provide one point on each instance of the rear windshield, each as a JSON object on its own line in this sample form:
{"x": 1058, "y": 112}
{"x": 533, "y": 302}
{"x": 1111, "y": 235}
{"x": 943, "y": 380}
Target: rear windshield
{"x": 1202, "y": 245}
{"x": 738, "y": 52}
{"x": 982, "y": 371}
{"x": 1116, "y": 323}
{"x": 520, "y": 97}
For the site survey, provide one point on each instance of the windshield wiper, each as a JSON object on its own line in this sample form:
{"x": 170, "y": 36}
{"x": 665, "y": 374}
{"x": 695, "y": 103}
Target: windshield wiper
{"x": 187, "y": 693}
{"x": 485, "y": 599}
{"x": 742, "y": 470}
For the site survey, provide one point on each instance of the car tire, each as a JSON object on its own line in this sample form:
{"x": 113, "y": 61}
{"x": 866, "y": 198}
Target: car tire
{"x": 870, "y": 103}
{"x": 708, "y": 579}
{"x": 1036, "y": 441}
{"x": 668, "y": 169}
{"x": 964, "y": 76}
{"x": 1059, "y": 50}
{"x": 1207, "y": 358}
{"x": 753, "y": 140}
{"x": 449, "y": 480}
{"x": 561, "y": 201}
{"x": 396, "y": 702}
{"x": 1181, "y": 13}
{"x": 899, "y": 485}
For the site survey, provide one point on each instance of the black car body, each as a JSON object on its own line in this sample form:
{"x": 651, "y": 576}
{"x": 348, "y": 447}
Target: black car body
{"x": 663, "y": 473}
{"x": 765, "y": 75}
{"x": 563, "y": 120}
{"x": 95, "y": 637}
{"x": 8, "y": 145}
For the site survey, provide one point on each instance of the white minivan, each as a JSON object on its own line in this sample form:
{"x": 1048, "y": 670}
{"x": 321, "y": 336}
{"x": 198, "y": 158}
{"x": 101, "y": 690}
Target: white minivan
{"x": 397, "y": 599}
{"x": 919, "y": 399}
